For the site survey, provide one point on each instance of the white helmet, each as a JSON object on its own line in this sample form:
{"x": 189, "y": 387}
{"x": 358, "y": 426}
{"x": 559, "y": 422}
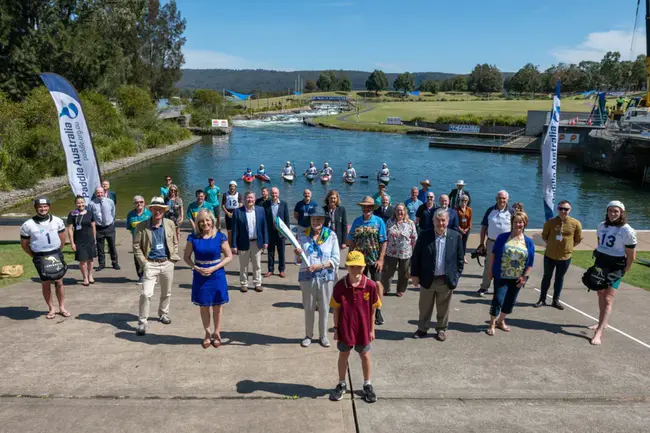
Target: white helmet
{"x": 616, "y": 203}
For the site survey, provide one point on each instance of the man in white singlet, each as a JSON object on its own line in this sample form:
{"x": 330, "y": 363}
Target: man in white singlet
{"x": 231, "y": 200}
{"x": 350, "y": 172}
{"x": 42, "y": 238}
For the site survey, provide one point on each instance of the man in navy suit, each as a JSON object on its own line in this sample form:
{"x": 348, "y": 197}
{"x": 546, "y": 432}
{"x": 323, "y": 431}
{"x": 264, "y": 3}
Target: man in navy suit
{"x": 276, "y": 208}
{"x": 385, "y": 211}
{"x": 249, "y": 238}
{"x": 436, "y": 265}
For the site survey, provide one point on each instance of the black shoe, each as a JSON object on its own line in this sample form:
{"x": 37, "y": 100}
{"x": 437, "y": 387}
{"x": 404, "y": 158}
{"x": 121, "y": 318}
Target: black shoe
{"x": 99, "y": 268}
{"x": 419, "y": 334}
{"x": 540, "y": 303}
{"x": 116, "y": 267}
{"x": 379, "y": 319}
{"x": 557, "y": 305}
{"x": 338, "y": 392}
{"x": 368, "y": 394}
{"x": 481, "y": 292}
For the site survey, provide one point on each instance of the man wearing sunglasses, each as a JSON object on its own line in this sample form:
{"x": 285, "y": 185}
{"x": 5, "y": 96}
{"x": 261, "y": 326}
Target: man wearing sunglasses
{"x": 561, "y": 235}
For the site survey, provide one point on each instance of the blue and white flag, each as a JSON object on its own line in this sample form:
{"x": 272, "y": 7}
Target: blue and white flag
{"x": 83, "y": 169}
{"x": 549, "y": 156}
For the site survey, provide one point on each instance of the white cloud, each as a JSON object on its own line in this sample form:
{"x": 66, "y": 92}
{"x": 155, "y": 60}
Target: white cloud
{"x": 596, "y": 45}
{"x": 207, "y": 59}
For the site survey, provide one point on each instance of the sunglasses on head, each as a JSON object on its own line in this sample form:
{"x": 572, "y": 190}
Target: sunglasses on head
{"x": 563, "y": 209}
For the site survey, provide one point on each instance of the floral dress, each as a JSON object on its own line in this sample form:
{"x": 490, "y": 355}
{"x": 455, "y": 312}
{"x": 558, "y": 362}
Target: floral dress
{"x": 401, "y": 239}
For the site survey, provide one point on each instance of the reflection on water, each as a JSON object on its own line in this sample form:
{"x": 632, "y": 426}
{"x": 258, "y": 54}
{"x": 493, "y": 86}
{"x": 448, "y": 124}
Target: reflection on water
{"x": 409, "y": 158}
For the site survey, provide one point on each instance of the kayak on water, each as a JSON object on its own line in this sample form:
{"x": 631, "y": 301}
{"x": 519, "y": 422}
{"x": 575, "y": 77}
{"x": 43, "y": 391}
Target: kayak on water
{"x": 384, "y": 179}
{"x": 310, "y": 177}
{"x": 349, "y": 180}
{"x": 263, "y": 177}
{"x": 248, "y": 179}
{"x": 325, "y": 178}
{"x": 288, "y": 177}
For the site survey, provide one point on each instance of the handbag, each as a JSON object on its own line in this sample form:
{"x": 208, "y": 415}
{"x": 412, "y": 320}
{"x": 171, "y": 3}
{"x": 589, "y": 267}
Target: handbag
{"x": 53, "y": 267}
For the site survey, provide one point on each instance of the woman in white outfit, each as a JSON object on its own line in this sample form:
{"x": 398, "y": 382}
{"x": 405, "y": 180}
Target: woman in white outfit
{"x": 317, "y": 276}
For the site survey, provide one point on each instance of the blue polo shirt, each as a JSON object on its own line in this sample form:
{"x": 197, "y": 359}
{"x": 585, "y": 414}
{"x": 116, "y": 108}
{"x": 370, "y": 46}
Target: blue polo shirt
{"x": 422, "y": 195}
{"x": 412, "y": 207}
{"x": 133, "y": 219}
{"x": 303, "y": 210}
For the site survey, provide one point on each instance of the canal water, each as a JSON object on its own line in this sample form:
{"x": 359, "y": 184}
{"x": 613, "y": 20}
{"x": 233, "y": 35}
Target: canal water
{"x": 409, "y": 158}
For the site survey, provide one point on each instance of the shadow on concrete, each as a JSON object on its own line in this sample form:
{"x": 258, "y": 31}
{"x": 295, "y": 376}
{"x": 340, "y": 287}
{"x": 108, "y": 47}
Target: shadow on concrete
{"x": 118, "y": 320}
{"x": 66, "y": 281}
{"x": 185, "y": 286}
{"x": 456, "y": 326}
{"x": 387, "y": 334}
{"x": 156, "y": 339}
{"x": 20, "y": 313}
{"x": 553, "y": 328}
{"x": 284, "y": 287}
{"x": 241, "y": 338}
{"x": 284, "y": 389}
{"x": 472, "y": 276}
{"x": 475, "y": 301}
{"x": 297, "y": 305}
{"x": 114, "y": 280}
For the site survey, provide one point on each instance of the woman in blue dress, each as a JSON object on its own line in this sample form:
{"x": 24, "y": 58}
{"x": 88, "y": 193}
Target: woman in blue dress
{"x": 209, "y": 286}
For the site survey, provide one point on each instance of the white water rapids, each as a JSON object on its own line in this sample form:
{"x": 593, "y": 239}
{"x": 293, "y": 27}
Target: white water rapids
{"x": 286, "y": 119}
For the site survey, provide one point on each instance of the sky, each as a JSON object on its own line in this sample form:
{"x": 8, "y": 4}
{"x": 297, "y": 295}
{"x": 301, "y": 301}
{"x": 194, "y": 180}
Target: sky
{"x": 411, "y": 35}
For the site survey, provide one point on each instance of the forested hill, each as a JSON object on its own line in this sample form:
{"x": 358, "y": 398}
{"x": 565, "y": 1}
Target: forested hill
{"x": 246, "y": 80}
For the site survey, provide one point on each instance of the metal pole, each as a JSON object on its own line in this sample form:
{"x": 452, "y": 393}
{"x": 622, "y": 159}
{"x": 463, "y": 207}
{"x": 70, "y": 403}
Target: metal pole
{"x": 647, "y": 48}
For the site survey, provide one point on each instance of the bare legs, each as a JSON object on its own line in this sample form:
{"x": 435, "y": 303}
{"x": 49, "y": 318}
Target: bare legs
{"x": 205, "y": 319}
{"x": 343, "y": 365}
{"x": 86, "y": 268}
{"x": 605, "y": 303}
{"x": 365, "y": 365}
{"x": 60, "y": 296}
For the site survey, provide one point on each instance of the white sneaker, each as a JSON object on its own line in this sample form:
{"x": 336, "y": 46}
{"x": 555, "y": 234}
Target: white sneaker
{"x": 306, "y": 342}
{"x": 324, "y": 342}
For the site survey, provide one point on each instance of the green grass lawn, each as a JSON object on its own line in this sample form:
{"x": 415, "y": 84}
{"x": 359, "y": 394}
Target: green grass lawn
{"x": 12, "y": 254}
{"x": 638, "y": 276}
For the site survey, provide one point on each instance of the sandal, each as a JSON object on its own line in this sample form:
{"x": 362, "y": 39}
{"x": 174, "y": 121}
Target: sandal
{"x": 502, "y": 326}
{"x": 217, "y": 341}
{"x": 85, "y": 284}
{"x": 490, "y": 331}
{"x": 206, "y": 342}
{"x": 51, "y": 315}
{"x": 65, "y": 313}
{"x": 91, "y": 281}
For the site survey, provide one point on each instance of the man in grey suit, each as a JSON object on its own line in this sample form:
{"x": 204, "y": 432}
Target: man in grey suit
{"x": 443, "y": 249}
{"x": 103, "y": 210}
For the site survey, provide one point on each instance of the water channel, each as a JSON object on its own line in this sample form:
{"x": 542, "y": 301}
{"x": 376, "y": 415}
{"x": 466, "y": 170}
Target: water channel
{"x": 409, "y": 158}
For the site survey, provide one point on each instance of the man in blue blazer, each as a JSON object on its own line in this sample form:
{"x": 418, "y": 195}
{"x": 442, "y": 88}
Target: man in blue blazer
{"x": 250, "y": 237}
{"x": 276, "y": 208}
{"x": 436, "y": 266}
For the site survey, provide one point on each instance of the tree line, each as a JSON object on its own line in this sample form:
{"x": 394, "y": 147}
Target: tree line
{"x": 611, "y": 73}
{"x": 97, "y": 44}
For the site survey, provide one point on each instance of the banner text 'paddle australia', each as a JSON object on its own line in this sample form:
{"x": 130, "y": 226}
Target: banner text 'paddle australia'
{"x": 83, "y": 169}
{"x": 549, "y": 157}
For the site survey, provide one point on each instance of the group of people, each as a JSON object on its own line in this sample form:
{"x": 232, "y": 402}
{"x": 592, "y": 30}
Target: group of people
{"x": 416, "y": 239}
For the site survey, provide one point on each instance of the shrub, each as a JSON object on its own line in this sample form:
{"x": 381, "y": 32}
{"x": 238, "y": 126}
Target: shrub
{"x": 134, "y": 101}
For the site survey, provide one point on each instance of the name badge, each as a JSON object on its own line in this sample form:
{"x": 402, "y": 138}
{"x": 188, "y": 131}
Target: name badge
{"x": 160, "y": 247}
{"x": 558, "y": 237}
{"x": 78, "y": 227}
{"x": 464, "y": 220}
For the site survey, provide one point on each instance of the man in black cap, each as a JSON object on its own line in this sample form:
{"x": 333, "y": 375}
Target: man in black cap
{"x": 42, "y": 237}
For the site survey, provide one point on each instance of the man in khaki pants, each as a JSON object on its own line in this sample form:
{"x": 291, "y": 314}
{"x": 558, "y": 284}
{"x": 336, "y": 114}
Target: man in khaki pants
{"x": 250, "y": 237}
{"x": 436, "y": 265}
{"x": 156, "y": 249}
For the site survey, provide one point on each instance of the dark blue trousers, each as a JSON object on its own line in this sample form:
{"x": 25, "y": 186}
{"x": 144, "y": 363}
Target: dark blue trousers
{"x": 505, "y": 296}
{"x": 560, "y": 267}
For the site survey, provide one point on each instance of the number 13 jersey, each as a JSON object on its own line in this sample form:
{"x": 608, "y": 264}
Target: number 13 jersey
{"x": 613, "y": 240}
{"x": 43, "y": 236}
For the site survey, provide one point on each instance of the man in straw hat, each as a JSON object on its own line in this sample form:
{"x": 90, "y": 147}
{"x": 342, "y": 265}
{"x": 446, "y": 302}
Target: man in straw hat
{"x": 368, "y": 235}
{"x": 458, "y": 192}
{"x": 355, "y": 301}
{"x": 156, "y": 248}
{"x": 422, "y": 195}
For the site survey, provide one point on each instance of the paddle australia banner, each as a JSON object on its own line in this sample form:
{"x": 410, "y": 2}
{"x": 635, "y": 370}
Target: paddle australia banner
{"x": 83, "y": 170}
{"x": 549, "y": 156}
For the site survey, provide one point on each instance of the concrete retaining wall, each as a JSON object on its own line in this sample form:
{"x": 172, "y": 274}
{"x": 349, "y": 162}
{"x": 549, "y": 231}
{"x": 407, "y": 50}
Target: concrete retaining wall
{"x": 622, "y": 156}
{"x": 536, "y": 120}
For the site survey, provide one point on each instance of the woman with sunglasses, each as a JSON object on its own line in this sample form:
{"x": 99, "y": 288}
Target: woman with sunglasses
{"x": 561, "y": 234}
{"x": 616, "y": 251}
{"x": 175, "y": 212}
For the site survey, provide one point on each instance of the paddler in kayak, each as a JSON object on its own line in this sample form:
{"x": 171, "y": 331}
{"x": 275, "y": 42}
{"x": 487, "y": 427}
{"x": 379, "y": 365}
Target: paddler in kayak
{"x": 288, "y": 169}
{"x": 312, "y": 170}
{"x": 248, "y": 173}
{"x": 384, "y": 172}
{"x": 350, "y": 172}
{"x": 327, "y": 170}
{"x": 261, "y": 171}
